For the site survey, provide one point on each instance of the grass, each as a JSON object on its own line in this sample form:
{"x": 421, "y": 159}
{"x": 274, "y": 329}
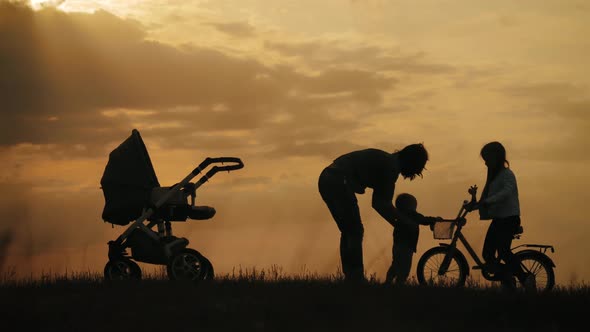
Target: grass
{"x": 269, "y": 300}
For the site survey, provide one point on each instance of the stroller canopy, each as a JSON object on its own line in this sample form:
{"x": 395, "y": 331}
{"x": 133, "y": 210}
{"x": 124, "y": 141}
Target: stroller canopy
{"x": 127, "y": 181}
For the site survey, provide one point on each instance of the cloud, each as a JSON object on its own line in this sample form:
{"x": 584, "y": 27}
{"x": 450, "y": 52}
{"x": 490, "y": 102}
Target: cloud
{"x": 330, "y": 149}
{"x": 50, "y": 3}
{"x": 235, "y": 29}
{"x": 251, "y": 181}
{"x": 543, "y": 90}
{"x": 63, "y": 71}
{"x": 567, "y": 110}
{"x": 324, "y": 54}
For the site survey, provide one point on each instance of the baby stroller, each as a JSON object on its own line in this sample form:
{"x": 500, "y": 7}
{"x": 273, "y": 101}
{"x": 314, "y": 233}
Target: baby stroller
{"x": 133, "y": 195}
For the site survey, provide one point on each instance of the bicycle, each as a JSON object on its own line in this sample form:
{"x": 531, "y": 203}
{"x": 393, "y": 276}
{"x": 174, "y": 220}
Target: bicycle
{"x": 446, "y": 265}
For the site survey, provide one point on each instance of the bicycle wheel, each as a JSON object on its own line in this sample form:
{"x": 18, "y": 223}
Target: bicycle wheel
{"x": 430, "y": 263}
{"x": 539, "y": 265}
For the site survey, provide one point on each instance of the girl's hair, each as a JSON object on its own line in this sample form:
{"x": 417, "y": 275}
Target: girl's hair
{"x": 493, "y": 151}
{"x": 497, "y": 150}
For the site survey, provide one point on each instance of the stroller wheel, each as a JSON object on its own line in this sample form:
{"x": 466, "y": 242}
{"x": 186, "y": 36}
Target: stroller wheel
{"x": 122, "y": 269}
{"x": 187, "y": 264}
{"x": 208, "y": 267}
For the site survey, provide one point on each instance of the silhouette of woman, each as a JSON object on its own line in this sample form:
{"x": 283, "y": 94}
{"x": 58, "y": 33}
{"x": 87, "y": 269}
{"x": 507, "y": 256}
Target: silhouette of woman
{"x": 349, "y": 175}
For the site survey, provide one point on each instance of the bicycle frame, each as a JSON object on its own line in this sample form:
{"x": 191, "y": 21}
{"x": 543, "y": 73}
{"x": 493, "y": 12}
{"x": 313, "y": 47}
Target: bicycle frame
{"x": 458, "y": 236}
{"x": 479, "y": 264}
{"x": 536, "y": 267}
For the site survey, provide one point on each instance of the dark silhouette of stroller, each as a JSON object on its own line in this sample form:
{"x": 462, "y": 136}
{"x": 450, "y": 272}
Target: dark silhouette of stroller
{"x": 133, "y": 195}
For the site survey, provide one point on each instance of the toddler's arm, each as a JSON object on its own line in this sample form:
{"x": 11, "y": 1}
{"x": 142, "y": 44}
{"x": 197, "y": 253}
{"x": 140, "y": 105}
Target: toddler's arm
{"x": 424, "y": 220}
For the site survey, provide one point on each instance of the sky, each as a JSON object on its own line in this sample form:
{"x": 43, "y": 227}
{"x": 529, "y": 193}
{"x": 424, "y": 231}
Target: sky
{"x": 288, "y": 86}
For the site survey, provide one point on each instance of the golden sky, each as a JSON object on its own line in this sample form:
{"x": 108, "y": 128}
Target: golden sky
{"x": 288, "y": 86}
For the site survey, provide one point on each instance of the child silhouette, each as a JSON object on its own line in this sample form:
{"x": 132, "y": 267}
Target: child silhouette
{"x": 405, "y": 238}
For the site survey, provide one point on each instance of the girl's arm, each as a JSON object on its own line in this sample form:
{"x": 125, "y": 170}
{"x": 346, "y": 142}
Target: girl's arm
{"x": 473, "y": 205}
{"x": 508, "y": 186}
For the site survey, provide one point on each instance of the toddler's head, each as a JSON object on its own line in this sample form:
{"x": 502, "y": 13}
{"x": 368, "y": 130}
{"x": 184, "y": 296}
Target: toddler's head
{"x": 406, "y": 202}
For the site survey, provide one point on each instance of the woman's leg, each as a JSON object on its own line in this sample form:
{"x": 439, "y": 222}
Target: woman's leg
{"x": 343, "y": 206}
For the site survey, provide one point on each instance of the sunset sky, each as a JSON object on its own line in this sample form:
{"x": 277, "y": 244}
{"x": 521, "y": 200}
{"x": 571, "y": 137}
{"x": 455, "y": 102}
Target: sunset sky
{"x": 288, "y": 86}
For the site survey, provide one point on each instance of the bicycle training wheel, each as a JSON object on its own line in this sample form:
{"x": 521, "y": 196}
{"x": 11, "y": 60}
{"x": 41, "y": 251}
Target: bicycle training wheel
{"x": 540, "y": 266}
{"x": 430, "y": 264}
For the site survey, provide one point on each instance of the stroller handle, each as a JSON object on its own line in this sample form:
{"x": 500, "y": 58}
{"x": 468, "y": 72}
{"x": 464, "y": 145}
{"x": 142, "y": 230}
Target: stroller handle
{"x": 237, "y": 164}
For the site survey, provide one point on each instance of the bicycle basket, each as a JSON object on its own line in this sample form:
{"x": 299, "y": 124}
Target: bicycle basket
{"x": 443, "y": 230}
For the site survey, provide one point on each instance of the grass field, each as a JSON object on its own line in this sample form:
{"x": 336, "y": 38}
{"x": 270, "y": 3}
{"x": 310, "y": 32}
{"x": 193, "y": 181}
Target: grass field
{"x": 267, "y": 301}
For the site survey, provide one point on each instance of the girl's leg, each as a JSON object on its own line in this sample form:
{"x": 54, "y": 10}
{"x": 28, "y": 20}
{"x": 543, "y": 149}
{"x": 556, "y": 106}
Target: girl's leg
{"x": 507, "y": 229}
{"x": 490, "y": 246}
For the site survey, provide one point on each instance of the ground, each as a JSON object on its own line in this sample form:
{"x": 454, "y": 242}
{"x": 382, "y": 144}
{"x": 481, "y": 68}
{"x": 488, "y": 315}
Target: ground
{"x": 258, "y": 304}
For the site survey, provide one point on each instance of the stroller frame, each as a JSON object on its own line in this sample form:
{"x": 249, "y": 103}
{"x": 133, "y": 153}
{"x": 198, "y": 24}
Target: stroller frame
{"x": 117, "y": 247}
{"x": 166, "y": 204}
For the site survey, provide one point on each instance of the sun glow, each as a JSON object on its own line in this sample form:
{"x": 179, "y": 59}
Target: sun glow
{"x": 40, "y": 4}
{"x": 79, "y": 6}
